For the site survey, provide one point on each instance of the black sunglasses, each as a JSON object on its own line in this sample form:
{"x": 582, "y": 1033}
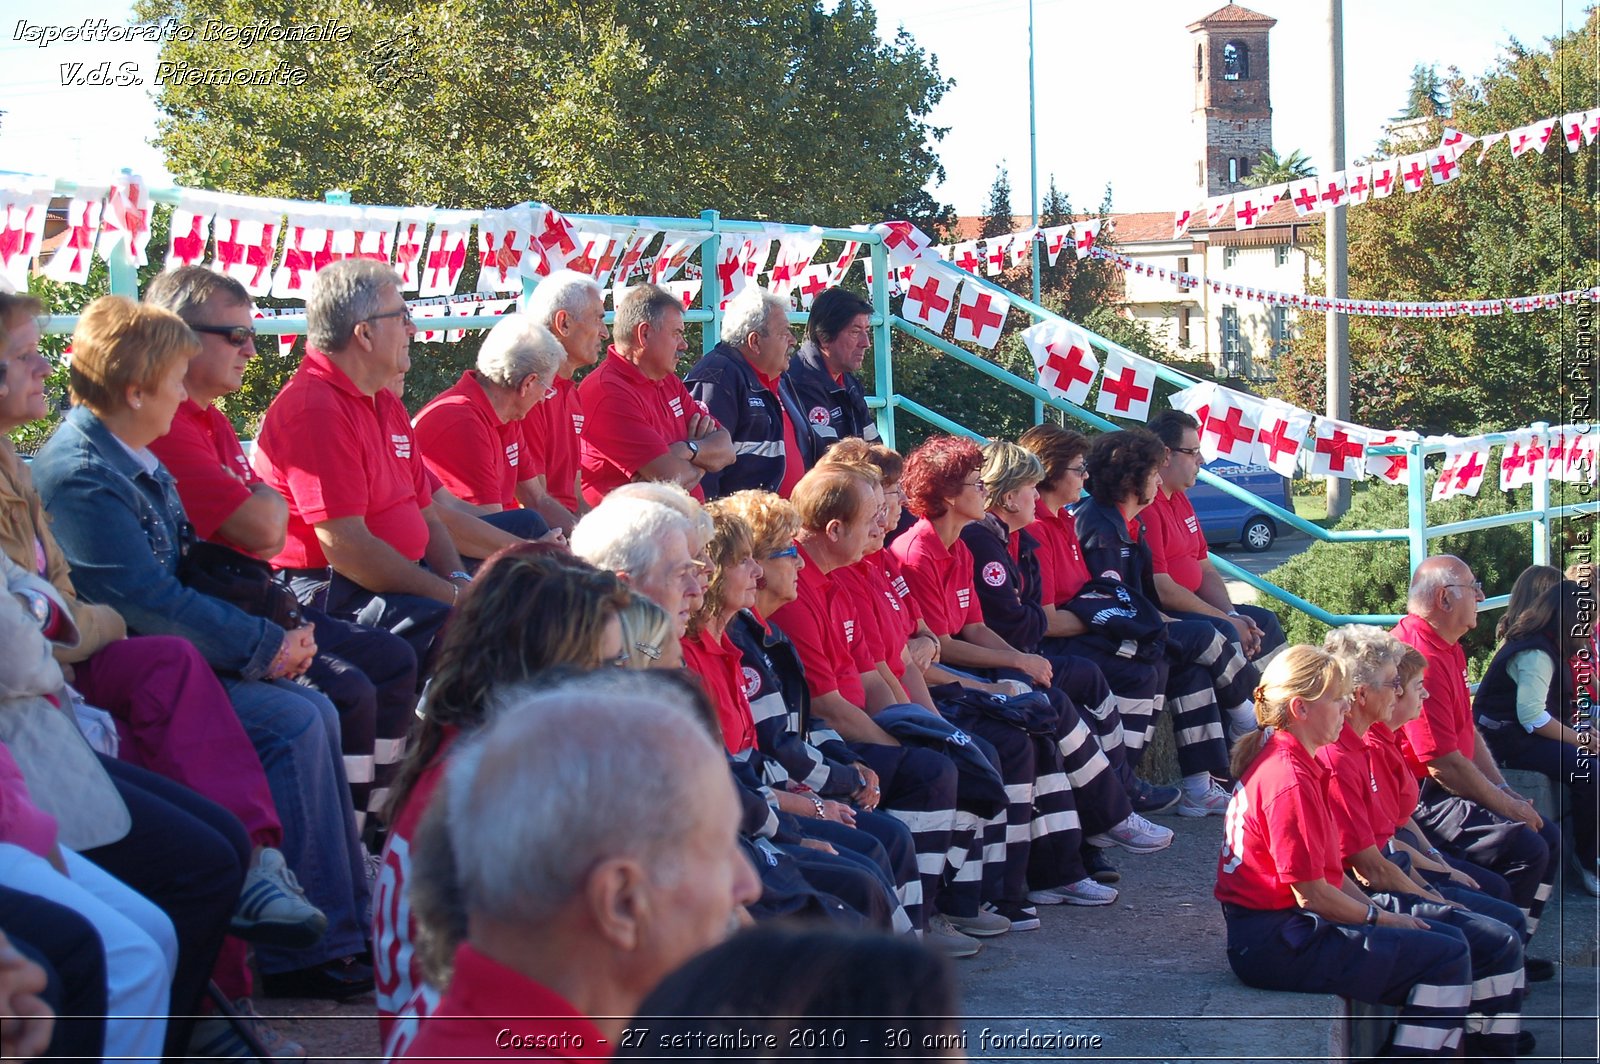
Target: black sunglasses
{"x": 237, "y": 335}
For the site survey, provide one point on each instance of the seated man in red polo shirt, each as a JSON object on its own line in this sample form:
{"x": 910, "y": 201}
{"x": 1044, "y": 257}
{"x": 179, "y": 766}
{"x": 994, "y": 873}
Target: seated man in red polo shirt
{"x": 1188, "y": 584}
{"x": 471, "y": 434}
{"x": 360, "y": 523}
{"x": 582, "y": 889}
{"x": 571, "y": 305}
{"x": 639, "y": 421}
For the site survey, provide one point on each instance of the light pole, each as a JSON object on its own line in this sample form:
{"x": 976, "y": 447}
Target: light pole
{"x": 1337, "y": 356}
{"x": 1033, "y": 185}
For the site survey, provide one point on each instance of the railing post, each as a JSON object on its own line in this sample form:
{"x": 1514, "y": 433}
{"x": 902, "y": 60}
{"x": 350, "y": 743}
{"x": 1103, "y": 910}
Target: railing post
{"x": 1038, "y": 249}
{"x": 883, "y": 372}
{"x": 710, "y": 283}
{"x": 1541, "y": 498}
{"x": 122, "y": 273}
{"x": 1416, "y": 503}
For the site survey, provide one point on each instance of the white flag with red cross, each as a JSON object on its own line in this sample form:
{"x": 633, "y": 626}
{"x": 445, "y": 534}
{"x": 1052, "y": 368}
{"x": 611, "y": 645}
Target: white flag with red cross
{"x": 847, "y": 259}
{"x": 1306, "y": 195}
{"x": 1385, "y": 175}
{"x": 1442, "y": 165}
{"x": 980, "y": 315}
{"x": 795, "y": 252}
{"x": 1564, "y": 454}
{"x": 1358, "y": 185}
{"x": 1195, "y": 401}
{"x": 502, "y": 243}
{"x": 308, "y": 246}
{"x": 373, "y": 230}
{"x": 1456, "y": 141}
{"x": 24, "y": 202}
{"x": 1591, "y": 125}
{"x": 815, "y": 281}
{"x": 1065, "y": 360}
{"x": 965, "y": 256}
{"x": 425, "y": 313}
{"x": 628, "y": 265}
{"x": 676, "y": 248}
{"x": 1180, "y": 222}
{"x": 684, "y": 290}
{"x": 1126, "y": 385}
{"x": 1216, "y": 208}
{"x": 1084, "y": 234}
{"x": 75, "y": 253}
{"x": 1337, "y": 449}
{"x": 602, "y": 250}
{"x": 994, "y": 253}
{"x": 1544, "y": 131}
{"x": 447, "y": 255}
{"x": 1248, "y": 207}
{"x": 1335, "y": 188}
{"x": 285, "y": 341}
{"x": 1462, "y": 474}
{"x": 1523, "y": 139}
{"x": 1055, "y": 239}
{"x": 1228, "y": 429}
{"x": 930, "y": 294}
{"x": 1022, "y": 246}
{"x": 1572, "y": 130}
{"x": 1518, "y": 460}
{"x": 410, "y": 240}
{"x": 555, "y": 236}
{"x": 1413, "y": 171}
{"x": 902, "y": 241}
{"x": 246, "y": 246}
{"x": 1581, "y": 456}
{"x": 731, "y": 279}
{"x": 1282, "y": 436}
{"x": 126, "y": 219}
{"x": 1389, "y": 467}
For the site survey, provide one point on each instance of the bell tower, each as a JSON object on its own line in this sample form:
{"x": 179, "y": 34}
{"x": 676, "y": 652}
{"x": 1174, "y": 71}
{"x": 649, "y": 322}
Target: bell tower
{"x": 1232, "y": 118}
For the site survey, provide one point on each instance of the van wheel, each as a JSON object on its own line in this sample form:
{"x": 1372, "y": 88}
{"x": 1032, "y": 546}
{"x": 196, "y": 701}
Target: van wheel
{"x": 1258, "y": 535}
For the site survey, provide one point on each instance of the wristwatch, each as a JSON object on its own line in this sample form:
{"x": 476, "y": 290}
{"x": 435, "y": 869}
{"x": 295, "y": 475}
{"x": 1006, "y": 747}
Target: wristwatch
{"x": 694, "y": 449}
{"x": 36, "y": 603}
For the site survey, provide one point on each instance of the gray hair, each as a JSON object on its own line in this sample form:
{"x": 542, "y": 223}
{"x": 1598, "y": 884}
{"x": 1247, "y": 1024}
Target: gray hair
{"x": 1364, "y": 651}
{"x": 546, "y": 792}
{"x": 625, "y": 534}
{"x": 643, "y": 303}
{"x": 185, "y": 289}
{"x": 748, "y": 312}
{"x": 563, "y": 290}
{"x": 343, "y": 295}
{"x": 671, "y": 494}
{"x": 1431, "y": 576}
{"x": 519, "y": 347}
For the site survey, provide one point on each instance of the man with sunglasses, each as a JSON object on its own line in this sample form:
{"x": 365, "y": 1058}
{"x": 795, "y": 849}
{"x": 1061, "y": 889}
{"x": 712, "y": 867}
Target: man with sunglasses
{"x": 1189, "y": 585}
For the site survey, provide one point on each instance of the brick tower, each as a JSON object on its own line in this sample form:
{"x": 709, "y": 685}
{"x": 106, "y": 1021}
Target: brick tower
{"x": 1232, "y": 119}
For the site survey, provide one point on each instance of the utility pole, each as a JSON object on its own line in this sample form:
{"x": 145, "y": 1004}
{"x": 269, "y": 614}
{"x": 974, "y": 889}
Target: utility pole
{"x": 1338, "y": 281}
{"x": 1033, "y": 185}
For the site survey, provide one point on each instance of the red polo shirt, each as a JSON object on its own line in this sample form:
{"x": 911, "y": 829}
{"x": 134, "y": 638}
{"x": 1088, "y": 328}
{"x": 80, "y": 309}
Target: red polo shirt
{"x": 1061, "y": 567}
{"x": 794, "y": 463}
{"x": 717, "y": 663}
{"x": 493, "y": 1013}
{"x": 331, "y": 451}
{"x": 1277, "y": 830}
{"x": 940, "y": 578}
{"x": 1352, "y": 791}
{"x": 551, "y": 441}
{"x": 820, "y": 622}
{"x": 203, "y": 452}
{"x": 1397, "y": 787}
{"x": 1445, "y": 723}
{"x": 1177, "y": 546}
{"x": 880, "y": 637}
{"x": 466, "y": 445}
{"x": 628, "y": 422}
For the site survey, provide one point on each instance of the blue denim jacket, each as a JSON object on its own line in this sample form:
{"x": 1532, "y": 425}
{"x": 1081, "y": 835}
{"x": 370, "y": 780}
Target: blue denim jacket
{"x": 122, "y": 531}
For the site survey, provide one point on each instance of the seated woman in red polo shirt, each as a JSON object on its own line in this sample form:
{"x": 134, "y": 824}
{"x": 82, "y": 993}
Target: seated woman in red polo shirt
{"x": 1295, "y": 921}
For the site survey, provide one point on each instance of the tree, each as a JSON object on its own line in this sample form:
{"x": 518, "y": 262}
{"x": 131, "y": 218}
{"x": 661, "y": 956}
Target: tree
{"x": 768, "y": 109}
{"x": 1504, "y": 227}
{"x": 997, "y": 217}
{"x": 1272, "y": 169}
{"x": 1426, "y": 97}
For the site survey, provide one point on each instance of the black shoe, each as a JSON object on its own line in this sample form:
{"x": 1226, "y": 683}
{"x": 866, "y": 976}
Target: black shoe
{"x": 1539, "y": 970}
{"x": 337, "y": 980}
{"x": 1022, "y": 917}
{"x": 1100, "y": 870}
{"x": 1526, "y": 1043}
{"x": 1153, "y": 799}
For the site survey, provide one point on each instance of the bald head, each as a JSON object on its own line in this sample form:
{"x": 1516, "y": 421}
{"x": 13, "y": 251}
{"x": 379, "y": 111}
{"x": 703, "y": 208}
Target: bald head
{"x": 1444, "y": 593}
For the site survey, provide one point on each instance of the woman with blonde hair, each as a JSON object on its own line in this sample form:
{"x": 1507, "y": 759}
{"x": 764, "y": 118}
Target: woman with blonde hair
{"x": 1295, "y": 921}
{"x": 649, "y": 638}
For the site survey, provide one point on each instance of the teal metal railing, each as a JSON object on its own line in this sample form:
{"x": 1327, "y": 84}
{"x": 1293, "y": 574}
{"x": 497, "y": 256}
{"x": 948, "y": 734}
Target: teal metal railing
{"x": 888, "y": 402}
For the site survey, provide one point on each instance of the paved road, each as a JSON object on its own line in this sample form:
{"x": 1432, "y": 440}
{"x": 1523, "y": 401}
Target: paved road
{"x": 1287, "y": 546}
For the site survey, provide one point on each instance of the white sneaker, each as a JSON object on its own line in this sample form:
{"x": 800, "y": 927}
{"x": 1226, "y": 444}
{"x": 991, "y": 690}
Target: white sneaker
{"x": 1587, "y": 877}
{"x": 1213, "y": 803}
{"x": 948, "y": 940}
{"x": 1084, "y": 892}
{"x": 1135, "y": 834}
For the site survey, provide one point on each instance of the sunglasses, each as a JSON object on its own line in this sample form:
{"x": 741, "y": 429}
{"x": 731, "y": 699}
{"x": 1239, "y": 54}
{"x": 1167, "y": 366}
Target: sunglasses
{"x": 403, "y": 312}
{"x": 237, "y": 335}
{"x": 791, "y": 551}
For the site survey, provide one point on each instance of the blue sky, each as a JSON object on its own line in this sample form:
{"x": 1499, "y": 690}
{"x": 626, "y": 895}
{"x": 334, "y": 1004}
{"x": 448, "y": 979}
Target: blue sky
{"x": 1114, "y": 88}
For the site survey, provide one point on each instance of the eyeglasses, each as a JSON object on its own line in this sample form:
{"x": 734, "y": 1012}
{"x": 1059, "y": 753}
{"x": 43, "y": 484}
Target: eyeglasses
{"x": 1396, "y": 685}
{"x": 1192, "y": 452}
{"x": 791, "y": 551}
{"x": 237, "y": 335}
{"x": 1081, "y": 470}
{"x": 979, "y": 484}
{"x": 403, "y": 312}
{"x": 1476, "y": 585}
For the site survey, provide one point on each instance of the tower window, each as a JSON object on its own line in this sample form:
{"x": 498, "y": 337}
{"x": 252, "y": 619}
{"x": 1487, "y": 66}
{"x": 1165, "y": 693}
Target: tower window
{"x": 1233, "y": 171}
{"x": 1199, "y": 62}
{"x": 1235, "y": 62}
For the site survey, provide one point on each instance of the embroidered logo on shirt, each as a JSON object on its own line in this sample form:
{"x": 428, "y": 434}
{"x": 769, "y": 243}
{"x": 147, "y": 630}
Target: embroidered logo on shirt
{"x": 676, "y": 406}
{"x": 818, "y": 415}
{"x": 963, "y": 597}
{"x": 402, "y": 445}
{"x": 849, "y": 631}
{"x": 756, "y": 401}
{"x": 1192, "y": 524}
{"x": 994, "y": 574}
{"x": 513, "y": 452}
{"x": 752, "y": 682}
{"x": 959, "y": 738}
{"x": 1111, "y": 574}
{"x": 577, "y": 423}
{"x": 902, "y": 588}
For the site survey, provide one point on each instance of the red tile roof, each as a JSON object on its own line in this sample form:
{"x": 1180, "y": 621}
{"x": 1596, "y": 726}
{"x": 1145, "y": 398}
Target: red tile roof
{"x": 1233, "y": 13}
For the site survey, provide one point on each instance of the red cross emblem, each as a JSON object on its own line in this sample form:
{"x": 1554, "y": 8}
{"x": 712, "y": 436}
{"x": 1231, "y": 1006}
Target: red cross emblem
{"x": 1383, "y": 182}
{"x": 1247, "y": 212}
{"x": 1278, "y": 441}
{"x": 969, "y": 260}
{"x": 1521, "y": 145}
{"x": 407, "y": 250}
{"x": 1469, "y": 470}
{"x": 995, "y": 254}
{"x": 449, "y": 255}
{"x": 1085, "y": 241}
{"x": 297, "y": 259}
{"x": 1333, "y": 194}
{"x": 1444, "y": 167}
{"x": 1305, "y": 200}
{"x": 978, "y": 313}
{"x": 898, "y": 235}
{"x": 230, "y": 251}
{"x": 818, "y": 415}
{"x": 1339, "y": 447}
{"x": 557, "y": 233}
{"x": 1125, "y": 389}
{"x": 1069, "y": 366}
{"x": 1229, "y": 430}
{"x": 190, "y": 247}
{"x": 1359, "y": 187}
{"x": 1413, "y": 177}
{"x": 928, "y": 296}
{"x": 813, "y": 284}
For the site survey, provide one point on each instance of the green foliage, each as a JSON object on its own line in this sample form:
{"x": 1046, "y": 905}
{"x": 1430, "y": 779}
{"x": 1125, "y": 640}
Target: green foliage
{"x": 1272, "y": 169}
{"x": 767, "y": 109}
{"x": 1425, "y": 98}
{"x": 1372, "y": 577}
{"x": 997, "y": 216}
{"x": 1505, "y": 227}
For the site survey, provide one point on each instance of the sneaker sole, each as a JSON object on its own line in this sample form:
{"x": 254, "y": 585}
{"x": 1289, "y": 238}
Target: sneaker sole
{"x": 1105, "y": 842}
{"x": 1147, "y": 810}
{"x": 1042, "y": 897}
{"x": 980, "y": 932}
{"x": 1189, "y": 810}
{"x": 1109, "y": 876}
{"x": 1089, "y": 903}
{"x": 282, "y": 936}
{"x": 954, "y": 950}
{"x": 1027, "y": 925}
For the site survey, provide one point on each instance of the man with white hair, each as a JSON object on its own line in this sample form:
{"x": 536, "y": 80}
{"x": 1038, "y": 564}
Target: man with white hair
{"x": 571, "y": 306}
{"x": 588, "y": 870}
{"x": 741, "y": 381}
{"x": 471, "y": 434}
{"x": 364, "y": 542}
{"x": 650, "y": 545}
{"x": 1466, "y": 807}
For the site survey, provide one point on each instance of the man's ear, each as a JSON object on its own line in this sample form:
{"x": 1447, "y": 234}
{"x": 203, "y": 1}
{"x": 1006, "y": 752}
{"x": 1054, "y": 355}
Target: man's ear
{"x": 619, "y": 900}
